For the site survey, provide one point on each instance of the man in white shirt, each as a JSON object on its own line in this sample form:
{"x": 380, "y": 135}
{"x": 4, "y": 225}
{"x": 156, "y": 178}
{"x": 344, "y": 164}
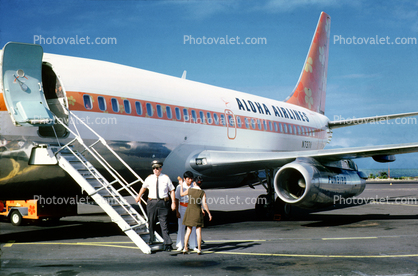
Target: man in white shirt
{"x": 160, "y": 189}
{"x": 181, "y": 206}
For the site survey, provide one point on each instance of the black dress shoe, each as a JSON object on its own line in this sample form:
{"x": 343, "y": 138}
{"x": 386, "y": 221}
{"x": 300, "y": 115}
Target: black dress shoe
{"x": 167, "y": 248}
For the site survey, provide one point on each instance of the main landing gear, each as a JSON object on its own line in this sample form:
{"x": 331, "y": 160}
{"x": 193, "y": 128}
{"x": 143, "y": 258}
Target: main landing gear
{"x": 268, "y": 206}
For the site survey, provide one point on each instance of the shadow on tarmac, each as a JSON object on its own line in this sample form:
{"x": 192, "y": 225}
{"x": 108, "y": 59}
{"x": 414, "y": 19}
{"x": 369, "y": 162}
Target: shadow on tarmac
{"x": 79, "y": 227}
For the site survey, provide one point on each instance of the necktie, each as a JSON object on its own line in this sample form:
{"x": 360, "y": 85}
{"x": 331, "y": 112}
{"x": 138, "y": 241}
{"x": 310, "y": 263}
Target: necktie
{"x": 158, "y": 196}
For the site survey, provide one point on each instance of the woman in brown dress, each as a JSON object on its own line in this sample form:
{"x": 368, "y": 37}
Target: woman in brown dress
{"x": 194, "y": 214}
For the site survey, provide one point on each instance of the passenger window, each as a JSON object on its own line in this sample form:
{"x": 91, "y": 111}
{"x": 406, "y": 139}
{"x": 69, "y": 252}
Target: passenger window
{"x": 253, "y": 123}
{"x": 216, "y": 118}
{"x": 239, "y": 121}
{"x": 202, "y": 117}
{"x": 87, "y": 102}
{"x": 138, "y": 107}
{"x": 290, "y": 129}
{"x": 115, "y": 105}
{"x": 281, "y": 127}
{"x": 223, "y": 121}
{"x": 247, "y": 124}
{"x": 127, "y": 106}
{"x": 159, "y": 111}
{"x": 285, "y": 128}
{"x": 259, "y": 125}
{"x": 271, "y": 126}
{"x": 102, "y": 103}
{"x": 178, "y": 113}
{"x": 168, "y": 111}
{"x": 150, "y": 112}
{"x": 299, "y": 131}
{"x": 294, "y": 130}
{"x": 265, "y": 125}
{"x": 275, "y": 127}
{"x": 194, "y": 116}
{"x": 186, "y": 115}
{"x": 209, "y": 118}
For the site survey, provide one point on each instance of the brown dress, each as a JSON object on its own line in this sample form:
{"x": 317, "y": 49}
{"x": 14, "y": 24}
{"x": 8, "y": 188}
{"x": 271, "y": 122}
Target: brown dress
{"x": 194, "y": 215}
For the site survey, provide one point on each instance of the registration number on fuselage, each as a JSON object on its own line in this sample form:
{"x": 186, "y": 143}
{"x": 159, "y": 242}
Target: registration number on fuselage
{"x": 306, "y": 144}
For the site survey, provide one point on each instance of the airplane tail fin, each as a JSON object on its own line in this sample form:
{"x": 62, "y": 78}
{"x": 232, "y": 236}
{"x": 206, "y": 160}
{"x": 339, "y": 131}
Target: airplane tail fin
{"x": 310, "y": 89}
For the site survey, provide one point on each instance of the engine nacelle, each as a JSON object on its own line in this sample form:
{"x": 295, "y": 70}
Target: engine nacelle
{"x": 308, "y": 184}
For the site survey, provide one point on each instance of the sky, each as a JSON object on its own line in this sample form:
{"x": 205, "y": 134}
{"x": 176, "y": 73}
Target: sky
{"x": 363, "y": 79}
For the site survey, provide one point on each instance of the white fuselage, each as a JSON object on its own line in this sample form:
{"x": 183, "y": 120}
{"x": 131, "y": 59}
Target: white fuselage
{"x": 154, "y": 134}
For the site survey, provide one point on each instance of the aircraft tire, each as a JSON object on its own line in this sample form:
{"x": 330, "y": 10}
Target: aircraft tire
{"x": 263, "y": 209}
{"x": 283, "y": 208}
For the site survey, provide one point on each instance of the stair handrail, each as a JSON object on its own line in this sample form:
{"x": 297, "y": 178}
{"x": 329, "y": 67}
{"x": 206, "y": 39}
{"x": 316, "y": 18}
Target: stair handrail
{"x": 100, "y": 159}
{"x": 111, "y": 190}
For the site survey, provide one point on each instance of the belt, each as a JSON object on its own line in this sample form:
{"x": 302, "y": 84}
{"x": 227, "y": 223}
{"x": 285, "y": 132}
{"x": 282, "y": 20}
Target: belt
{"x": 184, "y": 204}
{"x": 165, "y": 198}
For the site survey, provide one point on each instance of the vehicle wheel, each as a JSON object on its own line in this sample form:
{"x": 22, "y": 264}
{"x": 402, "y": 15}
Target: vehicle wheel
{"x": 16, "y": 218}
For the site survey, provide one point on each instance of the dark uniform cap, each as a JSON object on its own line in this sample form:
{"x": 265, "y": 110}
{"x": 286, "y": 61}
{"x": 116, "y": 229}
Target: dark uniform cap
{"x": 156, "y": 164}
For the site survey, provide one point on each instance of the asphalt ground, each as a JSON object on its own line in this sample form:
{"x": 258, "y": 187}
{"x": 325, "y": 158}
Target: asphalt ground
{"x": 375, "y": 235}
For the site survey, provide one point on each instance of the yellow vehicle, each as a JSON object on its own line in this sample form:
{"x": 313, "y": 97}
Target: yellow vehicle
{"x": 18, "y": 210}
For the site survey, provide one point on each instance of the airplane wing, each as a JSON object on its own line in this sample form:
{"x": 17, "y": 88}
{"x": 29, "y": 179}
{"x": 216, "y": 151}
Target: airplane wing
{"x": 367, "y": 120}
{"x": 211, "y": 162}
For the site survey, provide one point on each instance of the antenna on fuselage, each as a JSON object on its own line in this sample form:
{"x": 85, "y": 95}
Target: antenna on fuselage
{"x": 184, "y": 74}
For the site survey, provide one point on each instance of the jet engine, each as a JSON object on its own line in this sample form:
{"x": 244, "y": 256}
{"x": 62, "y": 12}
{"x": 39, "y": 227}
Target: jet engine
{"x": 307, "y": 183}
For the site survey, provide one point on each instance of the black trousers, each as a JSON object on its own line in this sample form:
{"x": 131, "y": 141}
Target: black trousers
{"x": 159, "y": 209}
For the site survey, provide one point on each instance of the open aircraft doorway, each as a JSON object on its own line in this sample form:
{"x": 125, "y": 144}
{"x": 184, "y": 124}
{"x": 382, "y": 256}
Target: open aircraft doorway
{"x": 57, "y": 102}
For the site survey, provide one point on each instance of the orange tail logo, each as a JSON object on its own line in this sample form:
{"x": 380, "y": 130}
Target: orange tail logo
{"x": 310, "y": 90}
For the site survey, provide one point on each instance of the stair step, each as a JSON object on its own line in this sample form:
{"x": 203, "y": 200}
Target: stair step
{"x": 78, "y": 166}
{"x": 126, "y": 216}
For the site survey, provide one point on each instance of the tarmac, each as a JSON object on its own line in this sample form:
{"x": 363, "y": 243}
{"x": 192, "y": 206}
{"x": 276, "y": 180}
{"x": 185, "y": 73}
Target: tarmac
{"x": 376, "y": 234}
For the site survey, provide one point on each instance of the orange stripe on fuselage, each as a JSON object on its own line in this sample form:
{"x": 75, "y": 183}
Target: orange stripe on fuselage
{"x": 76, "y": 103}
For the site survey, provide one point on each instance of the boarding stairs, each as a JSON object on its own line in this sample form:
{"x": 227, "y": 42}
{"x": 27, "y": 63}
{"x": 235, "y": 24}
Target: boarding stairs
{"x": 106, "y": 192}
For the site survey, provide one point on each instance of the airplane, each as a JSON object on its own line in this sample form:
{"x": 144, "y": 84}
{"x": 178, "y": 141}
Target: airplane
{"x": 228, "y": 137}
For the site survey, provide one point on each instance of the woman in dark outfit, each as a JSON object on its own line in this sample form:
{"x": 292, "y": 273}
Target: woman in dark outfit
{"x": 194, "y": 214}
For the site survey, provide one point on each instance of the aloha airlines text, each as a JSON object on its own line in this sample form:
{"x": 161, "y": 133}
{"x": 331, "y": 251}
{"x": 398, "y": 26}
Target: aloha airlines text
{"x": 262, "y": 108}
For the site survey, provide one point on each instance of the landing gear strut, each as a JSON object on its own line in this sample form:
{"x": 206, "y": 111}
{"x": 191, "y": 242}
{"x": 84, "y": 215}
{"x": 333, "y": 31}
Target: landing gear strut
{"x": 268, "y": 207}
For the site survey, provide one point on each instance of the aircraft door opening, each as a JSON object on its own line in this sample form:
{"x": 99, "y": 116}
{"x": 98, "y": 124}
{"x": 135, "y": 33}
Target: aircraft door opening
{"x": 231, "y": 124}
{"x": 22, "y": 85}
{"x": 57, "y": 102}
